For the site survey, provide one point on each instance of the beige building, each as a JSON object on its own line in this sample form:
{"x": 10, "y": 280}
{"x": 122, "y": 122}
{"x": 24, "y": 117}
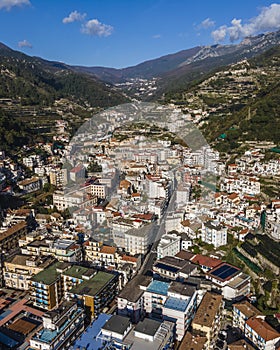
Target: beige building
{"x": 207, "y": 320}
{"x": 19, "y": 269}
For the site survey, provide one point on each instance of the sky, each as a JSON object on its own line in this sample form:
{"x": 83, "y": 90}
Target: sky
{"x": 121, "y": 33}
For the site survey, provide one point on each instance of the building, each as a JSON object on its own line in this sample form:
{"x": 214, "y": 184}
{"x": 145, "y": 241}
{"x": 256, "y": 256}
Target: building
{"x": 169, "y": 245}
{"x": 207, "y": 320}
{"x": 242, "y": 312}
{"x": 214, "y": 233}
{"x": 9, "y": 239}
{"x": 175, "y": 302}
{"x": 30, "y": 185}
{"x": 261, "y": 334}
{"x": 131, "y": 298}
{"x": 75, "y": 275}
{"x": 138, "y": 241}
{"x": 19, "y": 269}
{"x": 46, "y": 287}
{"x": 118, "y": 333}
{"x": 96, "y": 292}
{"x": 66, "y": 250}
{"x": 60, "y": 328}
{"x": 174, "y": 268}
{"x": 230, "y": 280}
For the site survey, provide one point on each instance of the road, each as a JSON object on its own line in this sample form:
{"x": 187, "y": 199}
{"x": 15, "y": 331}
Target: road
{"x": 160, "y": 230}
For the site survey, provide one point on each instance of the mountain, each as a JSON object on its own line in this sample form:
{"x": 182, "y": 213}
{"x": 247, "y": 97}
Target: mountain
{"x": 40, "y": 82}
{"x": 146, "y": 70}
{"x": 176, "y": 71}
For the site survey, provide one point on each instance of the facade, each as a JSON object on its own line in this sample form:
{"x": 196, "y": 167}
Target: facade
{"x": 9, "y": 239}
{"x": 261, "y": 334}
{"x": 30, "y": 185}
{"x": 60, "y": 328}
{"x": 169, "y": 245}
{"x": 131, "y": 298}
{"x": 173, "y": 302}
{"x": 46, "y": 287}
{"x": 96, "y": 292}
{"x": 207, "y": 320}
{"x": 242, "y": 312}
{"x": 214, "y": 233}
{"x": 137, "y": 241}
{"x": 19, "y": 269}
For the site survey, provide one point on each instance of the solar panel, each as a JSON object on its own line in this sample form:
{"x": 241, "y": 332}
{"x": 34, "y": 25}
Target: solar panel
{"x": 224, "y": 271}
{"x": 166, "y": 267}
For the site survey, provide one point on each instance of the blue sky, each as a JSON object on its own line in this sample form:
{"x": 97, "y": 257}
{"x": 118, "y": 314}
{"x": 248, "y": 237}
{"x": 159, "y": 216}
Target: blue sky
{"x": 120, "y": 33}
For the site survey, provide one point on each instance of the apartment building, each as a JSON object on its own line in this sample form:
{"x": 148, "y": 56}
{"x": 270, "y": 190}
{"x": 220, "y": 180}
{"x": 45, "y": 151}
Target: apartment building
{"x": 46, "y": 287}
{"x": 60, "y": 328}
{"x": 261, "y": 334}
{"x": 207, "y": 320}
{"x": 19, "y": 269}
{"x": 169, "y": 245}
{"x": 214, "y": 233}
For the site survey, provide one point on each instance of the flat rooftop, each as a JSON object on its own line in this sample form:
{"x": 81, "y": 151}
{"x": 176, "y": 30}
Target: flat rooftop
{"x": 192, "y": 342}
{"x": 79, "y": 271}
{"x": 117, "y": 324}
{"x": 158, "y": 287}
{"x": 49, "y": 275}
{"x": 132, "y": 291}
{"x": 94, "y": 285}
{"x": 224, "y": 272}
{"x": 247, "y": 309}
{"x": 148, "y": 327}
{"x": 176, "y": 304}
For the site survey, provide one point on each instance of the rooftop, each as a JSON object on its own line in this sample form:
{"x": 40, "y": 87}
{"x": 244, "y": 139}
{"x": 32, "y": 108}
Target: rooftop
{"x": 158, "y": 287}
{"x": 132, "y": 291}
{"x": 192, "y": 342}
{"x": 262, "y": 328}
{"x": 148, "y": 326}
{"x": 208, "y": 309}
{"x": 176, "y": 304}
{"x": 118, "y": 324}
{"x": 224, "y": 272}
{"x": 47, "y": 276}
{"x": 79, "y": 271}
{"x": 94, "y": 285}
{"x": 10, "y": 231}
{"x": 247, "y": 309}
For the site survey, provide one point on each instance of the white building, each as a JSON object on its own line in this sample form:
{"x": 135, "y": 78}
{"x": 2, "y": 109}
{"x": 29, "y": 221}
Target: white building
{"x": 214, "y": 233}
{"x": 169, "y": 245}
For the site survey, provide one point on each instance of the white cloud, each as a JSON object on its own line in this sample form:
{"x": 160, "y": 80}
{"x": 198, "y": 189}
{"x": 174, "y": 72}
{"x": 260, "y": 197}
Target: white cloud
{"x": 95, "y": 28}
{"x": 207, "y": 23}
{"x": 156, "y": 36}
{"x": 25, "y": 43}
{"x": 74, "y": 16}
{"x": 8, "y": 4}
{"x": 219, "y": 34}
{"x": 267, "y": 20}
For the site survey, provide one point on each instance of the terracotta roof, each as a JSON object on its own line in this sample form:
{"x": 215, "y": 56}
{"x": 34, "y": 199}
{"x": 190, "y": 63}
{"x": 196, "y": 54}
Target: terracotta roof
{"x": 184, "y": 255}
{"x": 262, "y": 328}
{"x": 204, "y": 260}
{"x": 247, "y": 309}
{"x": 185, "y": 223}
{"x": 192, "y": 342}
{"x": 129, "y": 258}
{"x": 108, "y": 250}
{"x": 207, "y": 310}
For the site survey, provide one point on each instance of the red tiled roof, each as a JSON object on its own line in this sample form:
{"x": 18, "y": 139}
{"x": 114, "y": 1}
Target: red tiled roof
{"x": 262, "y": 328}
{"x": 204, "y": 260}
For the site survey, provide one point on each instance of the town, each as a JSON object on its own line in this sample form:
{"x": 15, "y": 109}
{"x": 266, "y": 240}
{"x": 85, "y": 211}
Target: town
{"x": 136, "y": 234}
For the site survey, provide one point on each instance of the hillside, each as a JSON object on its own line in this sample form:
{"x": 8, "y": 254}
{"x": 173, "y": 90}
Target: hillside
{"x": 241, "y": 101}
{"x": 39, "y": 82}
{"x": 176, "y": 72}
